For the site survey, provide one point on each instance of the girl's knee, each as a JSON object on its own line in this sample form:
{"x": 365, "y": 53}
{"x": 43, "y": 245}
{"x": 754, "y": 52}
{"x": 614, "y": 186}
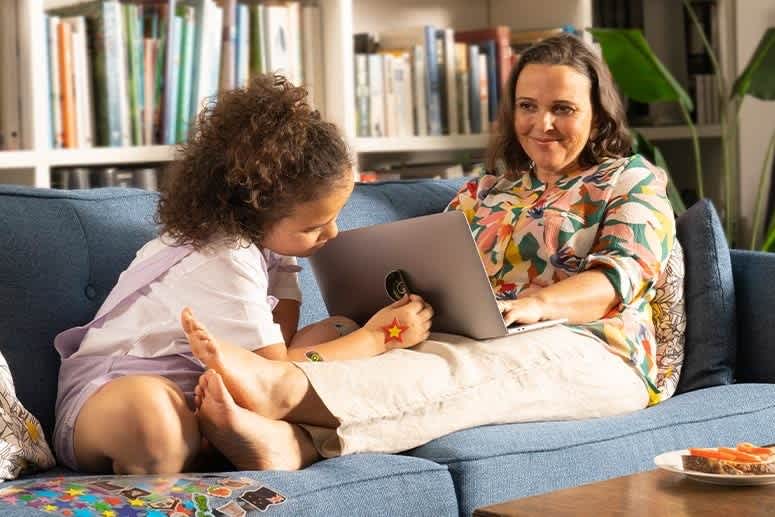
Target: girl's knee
{"x": 153, "y": 429}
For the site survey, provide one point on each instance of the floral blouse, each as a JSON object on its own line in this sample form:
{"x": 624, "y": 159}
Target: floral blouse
{"x": 613, "y": 217}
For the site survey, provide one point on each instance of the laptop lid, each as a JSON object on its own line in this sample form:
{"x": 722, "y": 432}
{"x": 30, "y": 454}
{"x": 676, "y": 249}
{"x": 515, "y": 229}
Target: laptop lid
{"x": 437, "y": 257}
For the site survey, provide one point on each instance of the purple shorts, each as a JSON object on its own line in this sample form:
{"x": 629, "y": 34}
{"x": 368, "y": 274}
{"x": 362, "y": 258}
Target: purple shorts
{"x": 80, "y": 377}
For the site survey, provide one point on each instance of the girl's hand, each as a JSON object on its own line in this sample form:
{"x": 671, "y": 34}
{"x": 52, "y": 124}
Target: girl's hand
{"x": 522, "y": 310}
{"x": 402, "y": 324}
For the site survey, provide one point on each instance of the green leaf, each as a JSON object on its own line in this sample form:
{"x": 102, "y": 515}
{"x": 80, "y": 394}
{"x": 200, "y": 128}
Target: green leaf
{"x": 758, "y": 78}
{"x": 638, "y": 72}
{"x": 654, "y": 155}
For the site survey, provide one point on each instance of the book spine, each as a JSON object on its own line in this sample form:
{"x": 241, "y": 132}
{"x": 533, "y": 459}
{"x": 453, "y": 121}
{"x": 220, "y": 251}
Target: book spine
{"x": 256, "y": 60}
{"x": 228, "y": 44}
{"x": 432, "y": 84}
{"x": 130, "y": 33}
{"x": 242, "y": 67}
{"x": 376, "y": 95}
{"x": 186, "y": 70}
{"x": 53, "y": 74}
{"x": 109, "y": 72}
{"x": 171, "y": 87}
{"x": 419, "y": 80}
{"x": 64, "y": 36}
{"x": 313, "y": 56}
{"x": 362, "y": 95}
{"x": 484, "y": 101}
{"x": 492, "y": 78}
{"x": 450, "y": 82}
{"x": 475, "y": 113}
{"x": 150, "y": 55}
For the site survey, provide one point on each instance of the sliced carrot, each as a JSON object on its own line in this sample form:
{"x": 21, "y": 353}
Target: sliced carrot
{"x": 711, "y": 453}
{"x": 752, "y": 449}
{"x": 740, "y": 455}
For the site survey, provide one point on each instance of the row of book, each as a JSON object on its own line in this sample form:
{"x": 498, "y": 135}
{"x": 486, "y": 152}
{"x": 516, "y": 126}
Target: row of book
{"x": 138, "y": 73}
{"x": 434, "y": 81}
{"x": 434, "y": 170}
{"x": 95, "y": 177}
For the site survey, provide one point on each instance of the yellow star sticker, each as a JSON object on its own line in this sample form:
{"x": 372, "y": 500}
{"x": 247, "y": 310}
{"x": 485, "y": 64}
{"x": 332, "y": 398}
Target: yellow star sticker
{"x": 394, "y": 330}
{"x": 50, "y": 508}
{"x": 109, "y": 513}
{"x": 74, "y": 492}
{"x": 136, "y": 502}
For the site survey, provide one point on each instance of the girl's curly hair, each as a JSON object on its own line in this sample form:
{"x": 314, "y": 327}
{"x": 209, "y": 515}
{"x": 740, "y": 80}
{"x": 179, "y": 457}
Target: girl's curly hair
{"x": 256, "y": 153}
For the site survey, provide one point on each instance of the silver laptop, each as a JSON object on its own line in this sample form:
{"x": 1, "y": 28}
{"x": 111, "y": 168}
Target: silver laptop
{"x": 363, "y": 270}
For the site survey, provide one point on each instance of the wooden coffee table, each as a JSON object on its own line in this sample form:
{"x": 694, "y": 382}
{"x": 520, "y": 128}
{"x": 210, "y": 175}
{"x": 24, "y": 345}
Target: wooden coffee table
{"x": 652, "y": 493}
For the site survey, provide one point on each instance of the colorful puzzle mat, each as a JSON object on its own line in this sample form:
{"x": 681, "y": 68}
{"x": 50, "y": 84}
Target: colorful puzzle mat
{"x": 205, "y": 495}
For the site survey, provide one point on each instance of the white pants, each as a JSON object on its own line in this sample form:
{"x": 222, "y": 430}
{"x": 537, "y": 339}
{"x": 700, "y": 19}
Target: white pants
{"x": 405, "y": 398}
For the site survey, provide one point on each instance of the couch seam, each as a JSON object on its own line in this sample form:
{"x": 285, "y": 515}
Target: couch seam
{"x": 442, "y": 468}
{"x": 590, "y": 442}
{"x": 86, "y": 241}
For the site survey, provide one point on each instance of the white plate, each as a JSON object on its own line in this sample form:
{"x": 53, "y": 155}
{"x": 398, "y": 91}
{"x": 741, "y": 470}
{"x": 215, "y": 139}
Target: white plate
{"x": 671, "y": 461}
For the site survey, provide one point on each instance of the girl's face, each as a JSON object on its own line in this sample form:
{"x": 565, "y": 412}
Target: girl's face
{"x": 553, "y": 116}
{"x": 310, "y": 225}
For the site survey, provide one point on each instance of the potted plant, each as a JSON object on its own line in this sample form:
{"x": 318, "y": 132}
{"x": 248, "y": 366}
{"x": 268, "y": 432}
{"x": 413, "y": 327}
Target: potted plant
{"x": 642, "y": 77}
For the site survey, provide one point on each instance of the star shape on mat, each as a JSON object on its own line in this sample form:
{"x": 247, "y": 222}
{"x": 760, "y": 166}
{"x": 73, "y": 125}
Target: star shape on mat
{"x": 394, "y": 331}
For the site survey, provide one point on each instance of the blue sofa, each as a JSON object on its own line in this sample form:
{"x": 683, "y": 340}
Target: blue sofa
{"x": 61, "y": 252}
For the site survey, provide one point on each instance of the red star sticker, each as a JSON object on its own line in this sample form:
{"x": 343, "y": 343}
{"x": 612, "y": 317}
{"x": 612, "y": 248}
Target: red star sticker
{"x": 394, "y": 331}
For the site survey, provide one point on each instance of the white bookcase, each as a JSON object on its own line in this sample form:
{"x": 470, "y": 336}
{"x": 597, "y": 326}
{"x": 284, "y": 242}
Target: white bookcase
{"x": 340, "y": 19}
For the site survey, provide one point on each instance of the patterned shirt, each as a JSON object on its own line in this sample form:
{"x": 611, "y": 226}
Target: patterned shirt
{"x": 613, "y": 217}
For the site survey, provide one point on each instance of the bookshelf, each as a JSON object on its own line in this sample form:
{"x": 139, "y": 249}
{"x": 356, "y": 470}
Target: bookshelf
{"x": 340, "y": 19}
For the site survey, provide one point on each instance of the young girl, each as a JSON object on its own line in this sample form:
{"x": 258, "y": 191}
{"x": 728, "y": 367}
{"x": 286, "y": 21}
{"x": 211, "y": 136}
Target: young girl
{"x": 261, "y": 180}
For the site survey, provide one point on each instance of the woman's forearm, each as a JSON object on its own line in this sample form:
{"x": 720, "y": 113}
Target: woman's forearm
{"x": 582, "y": 298}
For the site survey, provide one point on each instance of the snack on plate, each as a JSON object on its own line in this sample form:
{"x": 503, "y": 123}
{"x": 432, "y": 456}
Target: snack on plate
{"x": 745, "y": 459}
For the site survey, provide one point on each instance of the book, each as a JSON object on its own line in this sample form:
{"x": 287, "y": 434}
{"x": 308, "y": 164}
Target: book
{"x": 228, "y": 44}
{"x": 10, "y": 111}
{"x": 185, "y": 72}
{"x": 418, "y": 91}
{"x": 501, "y": 35}
{"x": 312, "y": 59}
{"x": 450, "y": 82}
{"x": 362, "y": 103}
{"x": 475, "y": 111}
{"x": 376, "y": 82}
{"x": 53, "y": 74}
{"x": 81, "y": 73}
{"x": 462, "y": 81}
{"x": 257, "y": 57}
{"x": 65, "y": 42}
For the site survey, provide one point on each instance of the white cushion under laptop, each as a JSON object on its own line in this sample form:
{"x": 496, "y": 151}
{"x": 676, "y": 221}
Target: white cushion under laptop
{"x": 363, "y": 270}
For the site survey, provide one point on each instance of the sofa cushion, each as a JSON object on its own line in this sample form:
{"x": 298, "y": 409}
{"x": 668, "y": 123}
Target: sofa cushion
{"x": 497, "y": 463}
{"x": 711, "y": 339}
{"x": 60, "y": 254}
{"x": 367, "y": 484}
{"x": 377, "y": 203}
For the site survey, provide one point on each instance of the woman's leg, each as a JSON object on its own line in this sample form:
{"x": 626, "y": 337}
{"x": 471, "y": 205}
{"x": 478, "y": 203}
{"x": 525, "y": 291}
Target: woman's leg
{"x": 247, "y": 439}
{"x": 151, "y": 430}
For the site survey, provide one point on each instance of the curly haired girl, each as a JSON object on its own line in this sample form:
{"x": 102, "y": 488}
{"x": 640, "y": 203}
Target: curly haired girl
{"x": 261, "y": 181}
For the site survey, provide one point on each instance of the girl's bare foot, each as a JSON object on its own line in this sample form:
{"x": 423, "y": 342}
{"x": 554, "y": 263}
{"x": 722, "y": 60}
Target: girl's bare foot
{"x": 269, "y": 388}
{"x": 248, "y": 440}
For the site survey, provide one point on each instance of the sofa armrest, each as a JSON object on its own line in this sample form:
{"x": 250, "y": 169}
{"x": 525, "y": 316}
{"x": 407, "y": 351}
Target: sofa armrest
{"x": 755, "y": 299}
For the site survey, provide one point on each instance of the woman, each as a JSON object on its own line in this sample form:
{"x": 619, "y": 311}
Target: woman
{"x": 574, "y": 228}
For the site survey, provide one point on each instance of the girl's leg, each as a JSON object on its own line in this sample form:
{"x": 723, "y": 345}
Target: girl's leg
{"x": 138, "y": 424}
{"x": 323, "y": 331}
{"x": 247, "y": 439}
{"x": 277, "y": 390}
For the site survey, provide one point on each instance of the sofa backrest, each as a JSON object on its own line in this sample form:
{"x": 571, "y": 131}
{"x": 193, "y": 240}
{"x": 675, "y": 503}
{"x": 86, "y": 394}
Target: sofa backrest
{"x": 61, "y": 253}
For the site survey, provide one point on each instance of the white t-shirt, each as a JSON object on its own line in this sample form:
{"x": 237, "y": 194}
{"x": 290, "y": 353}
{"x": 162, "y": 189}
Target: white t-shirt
{"x": 232, "y": 291}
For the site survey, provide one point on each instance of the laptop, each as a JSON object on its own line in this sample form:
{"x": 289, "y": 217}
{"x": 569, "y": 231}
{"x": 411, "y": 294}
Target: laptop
{"x": 363, "y": 270}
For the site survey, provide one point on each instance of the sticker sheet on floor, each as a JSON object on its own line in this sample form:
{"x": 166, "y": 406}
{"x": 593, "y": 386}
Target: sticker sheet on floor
{"x": 190, "y": 495}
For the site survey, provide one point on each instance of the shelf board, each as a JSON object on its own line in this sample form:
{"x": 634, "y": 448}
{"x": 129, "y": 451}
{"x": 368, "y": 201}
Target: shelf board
{"x": 421, "y": 143}
{"x": 111, "y": 155}
{"x": 19, "y": 159}
{"x": 678, "y": 132}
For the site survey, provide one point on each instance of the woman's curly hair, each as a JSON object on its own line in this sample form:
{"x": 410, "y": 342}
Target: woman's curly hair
{"x": 256, "y": 152}
{"x": 609, "y": 138}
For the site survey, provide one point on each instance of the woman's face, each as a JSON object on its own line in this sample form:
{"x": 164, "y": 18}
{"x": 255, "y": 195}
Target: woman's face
{"x": 553, "y": 116}
{"x": 310, "y": 225}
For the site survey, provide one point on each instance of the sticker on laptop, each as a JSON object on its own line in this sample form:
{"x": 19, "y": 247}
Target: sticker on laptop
{"x": 396, "y": 285}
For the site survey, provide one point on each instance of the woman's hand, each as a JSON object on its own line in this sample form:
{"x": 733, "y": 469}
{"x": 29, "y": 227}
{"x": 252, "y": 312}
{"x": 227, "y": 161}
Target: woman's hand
{"x": 527, "y": 309}
{"x": 402, "y": 324}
